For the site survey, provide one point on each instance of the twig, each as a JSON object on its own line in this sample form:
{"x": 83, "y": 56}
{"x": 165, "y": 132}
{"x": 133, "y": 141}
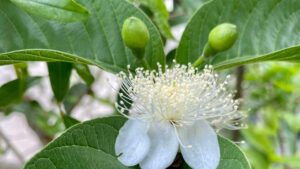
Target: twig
{"x": 239, "y": 82}
{"x": 240, "y": 72}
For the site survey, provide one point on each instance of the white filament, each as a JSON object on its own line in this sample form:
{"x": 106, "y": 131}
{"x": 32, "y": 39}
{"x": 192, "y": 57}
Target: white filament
{"x": 180, "y": 95}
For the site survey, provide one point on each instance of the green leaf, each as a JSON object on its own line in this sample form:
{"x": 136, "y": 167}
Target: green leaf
{"x": 257, "y": 159}
{"x": 160, "y": 16}
{"x": 232, "y": 156}
{"x": 12, "y": 92}
{"x": 170, "y": 57}
{"x": 59, "y": 75}
{"x": 259, "y": 139}
{"x": 38, "y": 119}
{"x": 74, "y": 96}
{"x": 69, "y": 121}
{"x": 183, "y": 10}
{"x": 192, "y": 5}
{"x": 266, "y": 29}
{"x": 84, "y": 72}
{"x": 96, "y": 41}
{"x": 291, "y": 161}
{"x": 61, "y": 10}
{"x": 88, "y": 145}
{"x": 21, "y": 70}
{"x": 123, "y": 91}
{"x": 91, "y": 144}
{"x": 292, "y": 121}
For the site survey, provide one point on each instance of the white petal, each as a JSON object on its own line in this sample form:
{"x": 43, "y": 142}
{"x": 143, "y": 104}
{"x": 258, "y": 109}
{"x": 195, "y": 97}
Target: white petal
{"x": 132, "y": 143}
{"x": 205, "y": 151}
{"x": 164, "y": 147}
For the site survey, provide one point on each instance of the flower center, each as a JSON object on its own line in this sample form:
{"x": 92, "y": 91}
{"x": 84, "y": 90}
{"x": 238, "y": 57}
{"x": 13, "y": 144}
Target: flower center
{"x": 171, "y": 101}
{"x": 180, "y": 95}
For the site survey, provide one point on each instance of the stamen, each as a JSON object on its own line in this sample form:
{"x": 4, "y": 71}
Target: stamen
{"x": 181, "y": 94}
{"x": 178, "y": 138}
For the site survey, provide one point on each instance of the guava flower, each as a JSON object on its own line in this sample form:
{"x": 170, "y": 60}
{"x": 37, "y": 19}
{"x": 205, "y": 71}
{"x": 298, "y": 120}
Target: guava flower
{"x": 174, "y": 110}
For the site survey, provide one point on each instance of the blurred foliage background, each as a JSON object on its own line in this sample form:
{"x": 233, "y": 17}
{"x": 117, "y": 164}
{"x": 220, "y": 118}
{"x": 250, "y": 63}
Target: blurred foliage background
{"x": 270, "y": 93}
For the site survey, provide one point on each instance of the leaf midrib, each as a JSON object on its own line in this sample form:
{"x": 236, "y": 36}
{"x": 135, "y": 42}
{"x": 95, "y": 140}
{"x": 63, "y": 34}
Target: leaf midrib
{"x": 57, "y": 7}
{"x": 73, "y": 57}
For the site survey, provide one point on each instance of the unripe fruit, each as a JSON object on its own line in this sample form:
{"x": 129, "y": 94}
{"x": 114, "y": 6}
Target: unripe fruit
{"x": 135, "y": 33}
{"x": 222, "y": 37}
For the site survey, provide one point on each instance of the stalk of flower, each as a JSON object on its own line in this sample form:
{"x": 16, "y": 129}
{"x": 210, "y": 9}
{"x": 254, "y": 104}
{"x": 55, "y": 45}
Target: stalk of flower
{"x": 174, "y": 110}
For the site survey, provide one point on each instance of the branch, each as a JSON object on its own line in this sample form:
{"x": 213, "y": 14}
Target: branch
{"x": 240, "y": 72}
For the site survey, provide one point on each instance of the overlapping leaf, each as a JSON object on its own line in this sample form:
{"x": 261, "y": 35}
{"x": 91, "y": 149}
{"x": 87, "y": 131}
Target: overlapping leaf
{"x": 160, "y": 16}
{"x": 268, "y": 30}
{"x": 59, "y": 75}
{"x": 91, "y": 145}
{"x": 88, "y": 145}
{"x": 232, "y": 156}
{"x": 97, "y": 40}
{"x": 12, "y": 92}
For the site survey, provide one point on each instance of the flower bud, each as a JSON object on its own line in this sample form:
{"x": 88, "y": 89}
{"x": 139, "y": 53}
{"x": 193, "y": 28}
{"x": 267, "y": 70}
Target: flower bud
{"x": 222, "y": 37}
{"x": 135, "y": 33}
